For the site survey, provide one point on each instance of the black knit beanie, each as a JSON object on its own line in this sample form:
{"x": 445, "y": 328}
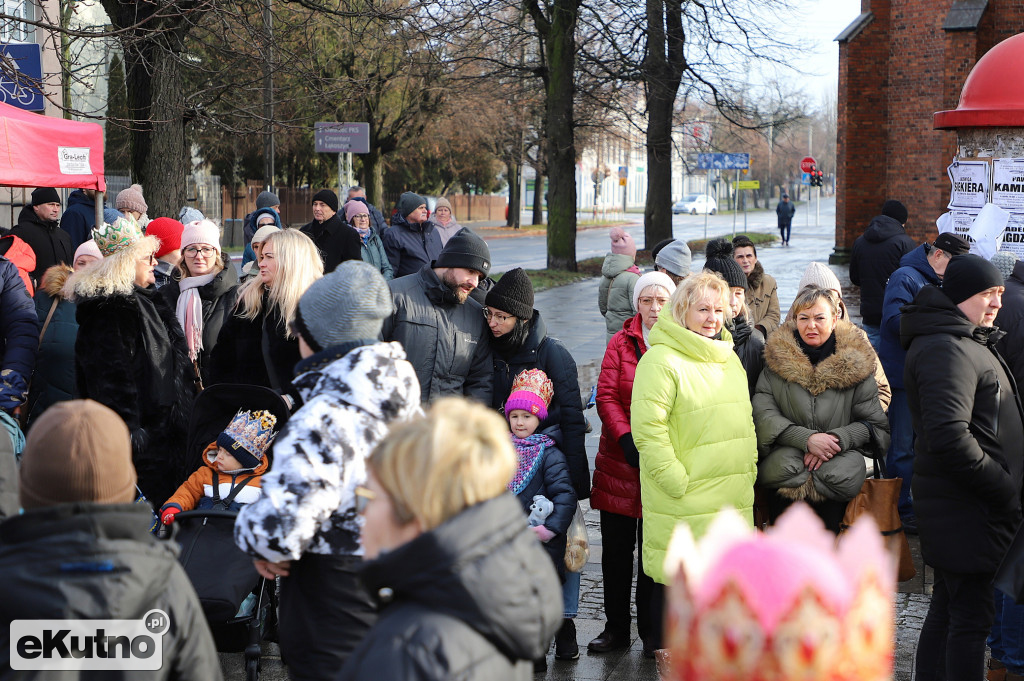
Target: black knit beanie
{"x": 408, "y": 202}
{"x": 967, "y": 275}
{"x": 513, "y": 294}
{"x": 467, "y": 250}
{"x": 45, "y": 195}
{"x": 328, "y": 197}
{"x": 896, "y": 210}
{"x": 719, "y": 259}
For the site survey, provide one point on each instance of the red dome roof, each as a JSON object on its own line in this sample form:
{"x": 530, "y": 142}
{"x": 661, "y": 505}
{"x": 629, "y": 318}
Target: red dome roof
{"x": 993, "y": 95}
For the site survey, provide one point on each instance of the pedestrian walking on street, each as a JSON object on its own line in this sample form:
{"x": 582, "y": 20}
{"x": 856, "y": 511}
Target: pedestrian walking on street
{"x": 412, "y": 241}
{"x": 876, "y": 255}
{"x": 690, "y": 406}
{"x": 762, "y": 295}
{"x": 747, "y": 342}
{"x": 305, "y": 528}
{"x": 336, "y": 241}
{"x": 466, "y": 590}
{"x": 616, "y": 490}
{"x": 358, "y": 217}
{"x": 784, "y": 211}
{"x": 38, "y": 227}
{"x": 969, "y": 464}
{"x": 924, "y": 265}
{"x": 817, "y": 411}
{"x": 618, "y": 276}
{"x": 168, "y": 256}
{"x": 444, "y": 220}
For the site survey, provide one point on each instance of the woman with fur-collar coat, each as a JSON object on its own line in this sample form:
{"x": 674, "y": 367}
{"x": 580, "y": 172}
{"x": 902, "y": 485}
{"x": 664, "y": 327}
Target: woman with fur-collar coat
{"x": 816, "y": 410}
{"x": 130, "y": 354}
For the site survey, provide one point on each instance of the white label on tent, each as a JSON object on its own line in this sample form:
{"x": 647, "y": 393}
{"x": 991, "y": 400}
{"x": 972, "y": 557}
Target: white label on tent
{"x": 74, "y": 160}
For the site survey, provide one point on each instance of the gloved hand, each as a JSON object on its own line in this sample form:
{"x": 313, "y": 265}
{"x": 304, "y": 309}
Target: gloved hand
{"x": 13, "y": 390}
{"x": 543, "y": 533}
{"x": 629, "y": 450}
{"x": 167, "y": 514}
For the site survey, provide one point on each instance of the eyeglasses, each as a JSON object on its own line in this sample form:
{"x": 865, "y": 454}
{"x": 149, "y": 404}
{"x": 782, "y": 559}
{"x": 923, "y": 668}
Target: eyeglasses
{"x": 649, "y": 300}
{"x": 363, "y": 498}
{"x": 502, "y": 318}
{"x": 205, "y": 250}
{"x": 149, "y": 259}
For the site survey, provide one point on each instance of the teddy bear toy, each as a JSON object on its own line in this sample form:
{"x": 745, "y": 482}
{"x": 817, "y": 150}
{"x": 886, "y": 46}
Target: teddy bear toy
{"x": 540, "y": 509}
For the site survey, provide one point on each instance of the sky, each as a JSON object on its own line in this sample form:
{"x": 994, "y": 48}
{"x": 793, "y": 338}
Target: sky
{"x": 820, "y": 22}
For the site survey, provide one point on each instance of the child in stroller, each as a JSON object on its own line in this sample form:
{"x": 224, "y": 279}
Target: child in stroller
{"x": 239, "y": 453}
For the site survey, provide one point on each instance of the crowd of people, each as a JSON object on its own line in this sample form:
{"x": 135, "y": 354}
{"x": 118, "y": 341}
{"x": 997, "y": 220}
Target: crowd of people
{"x": 419, "y": 395}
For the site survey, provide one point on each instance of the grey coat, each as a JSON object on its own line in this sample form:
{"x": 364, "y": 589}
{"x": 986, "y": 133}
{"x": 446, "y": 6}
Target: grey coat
{"x": 795, "y": 399}
{"x": 447, "y": 343}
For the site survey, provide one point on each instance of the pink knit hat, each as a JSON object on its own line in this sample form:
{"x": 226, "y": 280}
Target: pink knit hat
{"x": 354, "y": 208}
{"x": 532, "y": 391}
{"x": 622, "y": 242}
{"x": 201, "y": 232}
{"x": 88, "y": 247}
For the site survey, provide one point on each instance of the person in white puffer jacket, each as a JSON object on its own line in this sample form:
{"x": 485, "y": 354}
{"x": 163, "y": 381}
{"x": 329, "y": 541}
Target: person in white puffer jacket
{"x": 305, "y": 527}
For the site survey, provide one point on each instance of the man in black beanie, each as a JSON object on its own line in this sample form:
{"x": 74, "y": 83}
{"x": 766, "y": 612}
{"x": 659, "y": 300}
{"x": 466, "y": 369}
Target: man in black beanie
{"x": 969, "y": 464}
{"x": 412, "y": 241}
{"x": 38, "y": 227}
{"x": 876, "y": 255}
{"x": 336, "y": 241}
{"x": 441, "y": 328}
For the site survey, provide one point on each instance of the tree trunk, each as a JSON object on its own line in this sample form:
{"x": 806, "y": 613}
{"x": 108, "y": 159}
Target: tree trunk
{"x": 373, "y": 166}
{"x": 559, "y": 135}
{"x": 515, "y": 194}
{"x": 538, "y": 200}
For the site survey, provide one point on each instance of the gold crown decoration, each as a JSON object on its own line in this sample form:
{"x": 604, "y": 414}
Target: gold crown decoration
{"x": 534, "y": 381}
{"x": 253, "y": 431}
{"x": 116, "y": 236}
{"x": 781, "y": 605}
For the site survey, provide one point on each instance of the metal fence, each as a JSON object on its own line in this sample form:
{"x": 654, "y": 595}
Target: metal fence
{"x": 202, "y": 191}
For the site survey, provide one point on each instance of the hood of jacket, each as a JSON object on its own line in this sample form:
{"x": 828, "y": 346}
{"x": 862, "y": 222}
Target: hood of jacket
{"x": 634, "y": 328}
{"x": 755, "y": 277}
{"x": 80, "y": 198}
{"x": 667, "y": 332}
{"x": 615, "y": 264}
{"x": 375, "y": 378}
{"x": 28, "y": 216}
{"x": 398, "y": 220}
{"x": 918, "y": 259}
{"x": 266, "y": 211}
{"x": 54, "y": 280}
{"x": 932, "y": 312}
{"x": 883, "y": 227}
{"x": 851, "y": 363}
{"x": 19, "y": 252}
{"x": 527, "y": 352}
{"x": 71, "y": 538}
{"x": 483, "y": 567}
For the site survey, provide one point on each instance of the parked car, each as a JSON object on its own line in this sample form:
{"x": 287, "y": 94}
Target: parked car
{"x": 695, "y": 203}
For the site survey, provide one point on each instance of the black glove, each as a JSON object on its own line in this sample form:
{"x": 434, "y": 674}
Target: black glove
{"x": 629, "y": 450}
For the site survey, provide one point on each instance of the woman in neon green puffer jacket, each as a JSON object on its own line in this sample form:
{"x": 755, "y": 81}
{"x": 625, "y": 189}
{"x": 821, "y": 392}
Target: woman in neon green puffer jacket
{"x": 691, "y": 422}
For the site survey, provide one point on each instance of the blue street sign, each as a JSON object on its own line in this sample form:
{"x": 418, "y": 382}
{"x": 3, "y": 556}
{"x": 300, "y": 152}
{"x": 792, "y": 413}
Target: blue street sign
{"x": 723, "y": 161}
{"x": 805, "y": 178}
{"x": 21, "y": 77}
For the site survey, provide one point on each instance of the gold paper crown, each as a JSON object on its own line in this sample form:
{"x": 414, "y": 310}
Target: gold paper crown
{"x": 115, "y": 237}
{"x": 253, "y": 430}
{"x": 534, "y": 381}
{"x": 781, "y": 605}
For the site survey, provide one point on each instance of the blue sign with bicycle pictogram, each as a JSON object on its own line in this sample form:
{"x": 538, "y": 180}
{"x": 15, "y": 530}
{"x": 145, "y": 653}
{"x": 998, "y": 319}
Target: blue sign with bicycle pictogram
{"x": 21, "y": 76}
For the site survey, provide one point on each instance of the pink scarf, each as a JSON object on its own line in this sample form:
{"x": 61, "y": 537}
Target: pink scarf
{"x": 189, "y": 311}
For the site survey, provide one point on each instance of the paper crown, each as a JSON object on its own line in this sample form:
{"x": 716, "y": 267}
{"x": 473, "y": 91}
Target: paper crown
{"x": 780, "y": 605}
{"x": 251, "y": 431}
{"x": 116, "y": 236}
{"x": 532, "y": 391}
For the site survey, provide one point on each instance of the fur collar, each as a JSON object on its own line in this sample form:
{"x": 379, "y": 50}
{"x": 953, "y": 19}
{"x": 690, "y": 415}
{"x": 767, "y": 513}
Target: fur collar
{"x": 755, "y": 277}
{"x": 853, "y": 361}
{"x": 54, "y": 280}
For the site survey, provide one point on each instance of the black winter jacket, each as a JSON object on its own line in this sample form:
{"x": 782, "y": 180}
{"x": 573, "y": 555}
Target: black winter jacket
{"x": 540, "y": 351}
{"x": 748, "y": 344}
{"x": 473, "y": 599}
{"x": 553, "y": 482}
{"x": 219, "y": 298}
{"x": 1011, "y": 321}
{"x": 238, "y": 355}
{"x": 967, "y": 416}
{"x": 92, "y": 561}
{"x": 410, "y": 247}
{"x": 130, "y": 355}
{"x": 337, "y": 241}
{"x": 446, "y": 342}
{"x": 50, "y": 243}
{"x": 19, "y": 326}
{"x": 876, "y": 255}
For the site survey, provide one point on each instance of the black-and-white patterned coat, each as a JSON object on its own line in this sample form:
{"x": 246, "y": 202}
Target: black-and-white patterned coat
{"x": 308, "y": 502}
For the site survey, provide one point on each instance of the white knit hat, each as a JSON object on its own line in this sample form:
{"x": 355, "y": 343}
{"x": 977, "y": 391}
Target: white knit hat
{"x": 818, "y": 274}
{"x": 201, "y": 232}
{"x": 652, "y": 279}
{"x": 263, "y": 232}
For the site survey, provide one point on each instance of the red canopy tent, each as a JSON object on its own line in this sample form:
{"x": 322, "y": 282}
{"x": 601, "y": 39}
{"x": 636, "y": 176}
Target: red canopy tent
{"x": 41, "y": 151}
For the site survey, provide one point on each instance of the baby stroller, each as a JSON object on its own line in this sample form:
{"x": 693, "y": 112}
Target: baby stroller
{"x": 240, "y": 606}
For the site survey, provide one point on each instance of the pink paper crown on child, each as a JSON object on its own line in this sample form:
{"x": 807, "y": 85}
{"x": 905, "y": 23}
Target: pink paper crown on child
{"x": 532, "y": 391}
{"x": 780, "y": 605}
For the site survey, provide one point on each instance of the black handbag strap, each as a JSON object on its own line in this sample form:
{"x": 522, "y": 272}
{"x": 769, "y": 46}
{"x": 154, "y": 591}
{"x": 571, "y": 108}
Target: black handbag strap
{"x": 876, "y": 458}
{"x": 636, "y": 347}
{"x": 265, "y": 346}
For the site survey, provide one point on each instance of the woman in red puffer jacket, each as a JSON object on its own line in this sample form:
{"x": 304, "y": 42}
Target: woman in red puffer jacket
{"x": 616, "y": 486}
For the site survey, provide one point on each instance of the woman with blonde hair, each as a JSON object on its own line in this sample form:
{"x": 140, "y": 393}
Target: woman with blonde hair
{"x": 465, "y": 587}
{"x": 816, "y": 409}
{"x": 130, "y": 354}
{"x": 256, "y": 345}
{"x": 691, "y": 423}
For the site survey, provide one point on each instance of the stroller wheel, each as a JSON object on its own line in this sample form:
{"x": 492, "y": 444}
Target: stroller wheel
{"x": 252, "y": 670}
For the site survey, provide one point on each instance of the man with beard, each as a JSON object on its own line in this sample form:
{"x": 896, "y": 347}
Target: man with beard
{"x": 442, "y": 329}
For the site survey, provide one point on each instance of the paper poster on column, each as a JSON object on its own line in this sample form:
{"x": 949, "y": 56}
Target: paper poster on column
{"x": 957, "y": 222}
{"x": 987, "y": 230}
{"x": 1013, "y": 237}
{"x": 1008, "y": 183}
{"x": 970, "y": 184}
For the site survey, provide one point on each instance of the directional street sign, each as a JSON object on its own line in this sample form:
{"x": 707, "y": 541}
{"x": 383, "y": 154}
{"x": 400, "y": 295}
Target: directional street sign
{"x": 723, "y": 161}
{"x": 747, "y": 184}
{"x": 21, "y": 75}
{"x": 342, "y": 138}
